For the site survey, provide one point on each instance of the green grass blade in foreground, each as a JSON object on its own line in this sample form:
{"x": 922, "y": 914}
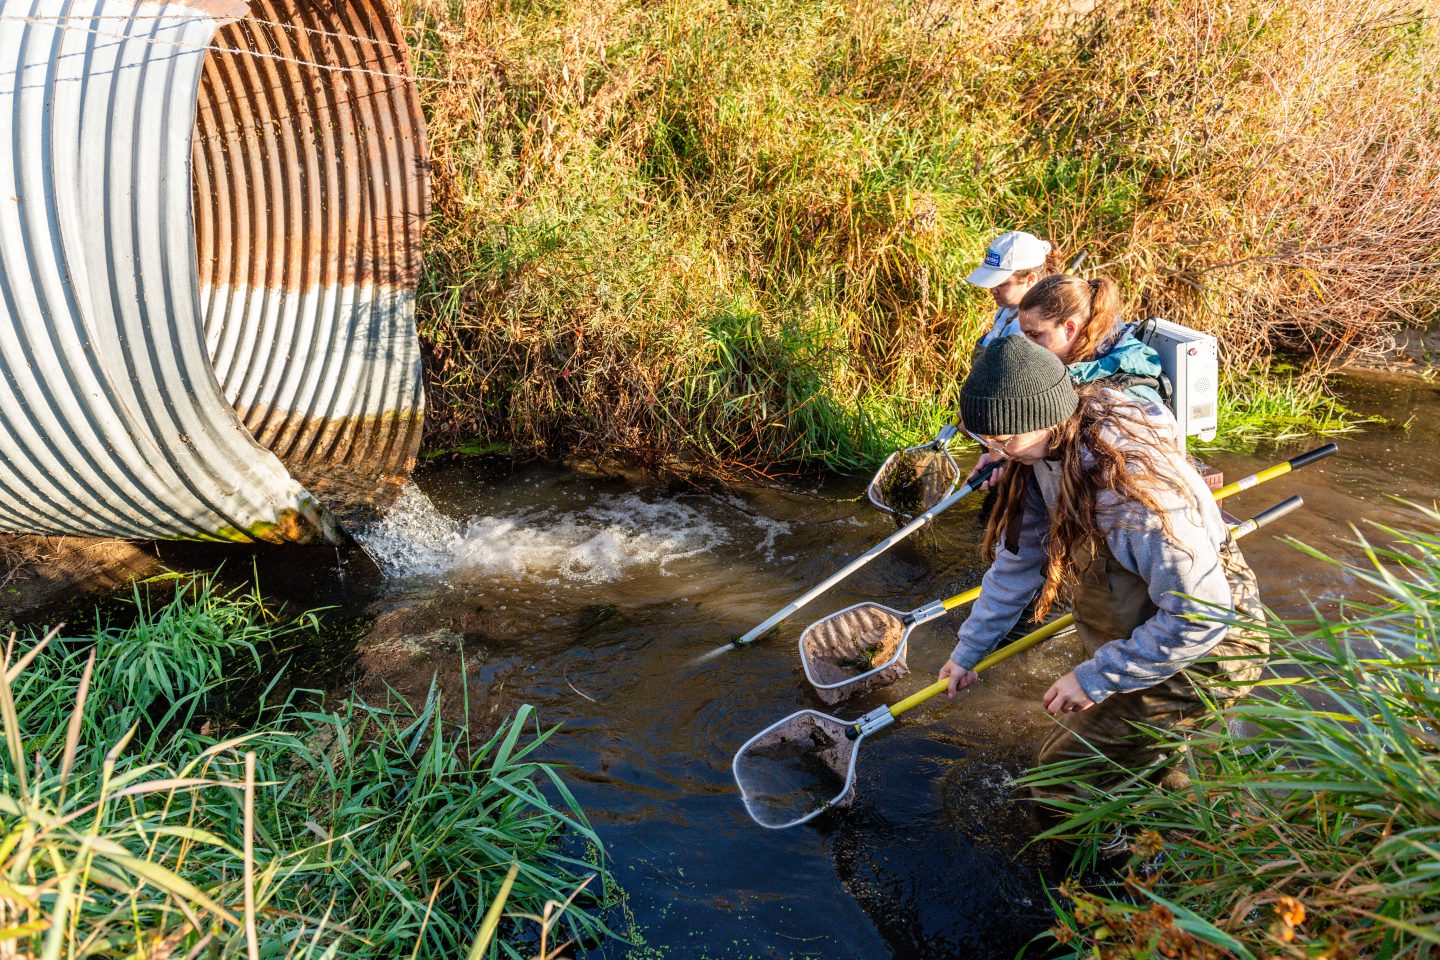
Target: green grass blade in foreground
{"x": 1312, "y": 825}
{"x": 396, "y": 820}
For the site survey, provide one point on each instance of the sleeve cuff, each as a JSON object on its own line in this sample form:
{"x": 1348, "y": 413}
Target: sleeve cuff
{"x": 966, "y": 656}
{"x": 1095, "y": 687}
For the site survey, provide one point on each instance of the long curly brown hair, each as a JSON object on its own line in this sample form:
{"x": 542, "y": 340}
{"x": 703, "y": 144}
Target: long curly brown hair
{"x": 1106, "y": 446}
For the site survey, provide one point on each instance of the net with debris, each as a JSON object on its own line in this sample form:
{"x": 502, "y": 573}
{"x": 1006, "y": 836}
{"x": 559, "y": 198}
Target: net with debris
{"x": 855, "y": 650}
{"x": 796, "y": 769}
{"x": 914, "y": 480}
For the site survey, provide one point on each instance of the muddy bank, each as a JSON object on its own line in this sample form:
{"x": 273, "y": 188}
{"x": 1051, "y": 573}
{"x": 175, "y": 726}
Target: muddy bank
{"x": 37, "y": 572}
{"x": 1412, "y": 352}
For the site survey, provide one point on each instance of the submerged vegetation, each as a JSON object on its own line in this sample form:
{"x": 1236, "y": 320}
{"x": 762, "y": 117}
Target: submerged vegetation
{"x": 733, "y": 237}
{"x": 135, "y": 825}
{"x": 1311, "y": 826}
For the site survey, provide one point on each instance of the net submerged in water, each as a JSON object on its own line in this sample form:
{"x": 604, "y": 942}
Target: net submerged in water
{"x": 796, "y": 769}
{"x": 850, "y": 652}
{"x": 914, "y": 480}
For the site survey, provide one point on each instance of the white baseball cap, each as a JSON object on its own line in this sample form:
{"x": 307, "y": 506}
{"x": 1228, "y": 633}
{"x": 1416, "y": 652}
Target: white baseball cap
{"x": 1016, "y": 250}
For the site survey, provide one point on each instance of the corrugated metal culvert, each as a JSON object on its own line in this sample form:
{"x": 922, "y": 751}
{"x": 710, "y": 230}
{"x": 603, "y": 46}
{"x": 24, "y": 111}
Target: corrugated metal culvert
{"x": 210, "y": 224}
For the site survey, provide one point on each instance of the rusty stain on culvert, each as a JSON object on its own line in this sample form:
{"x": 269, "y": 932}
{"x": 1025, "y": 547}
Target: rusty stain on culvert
{"x": 210, "y": 224}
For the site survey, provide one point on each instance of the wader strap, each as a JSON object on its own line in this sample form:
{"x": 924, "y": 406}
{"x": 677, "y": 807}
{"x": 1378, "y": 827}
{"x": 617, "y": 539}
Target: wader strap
{"x": 1124, "y": 381}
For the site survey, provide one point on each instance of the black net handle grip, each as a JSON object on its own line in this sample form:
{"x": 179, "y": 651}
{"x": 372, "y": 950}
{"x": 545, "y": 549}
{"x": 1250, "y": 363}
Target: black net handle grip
{"x": 983, "y": 474}
{"x": 1288, "y": 505}
{"x": 1319, "y": 453}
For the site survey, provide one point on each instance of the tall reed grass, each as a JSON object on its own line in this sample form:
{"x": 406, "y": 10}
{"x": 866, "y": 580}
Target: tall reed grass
{"x": 1311, "y": 826}
{"x": 733, "y": 236}
{"x": 128, "y": 828}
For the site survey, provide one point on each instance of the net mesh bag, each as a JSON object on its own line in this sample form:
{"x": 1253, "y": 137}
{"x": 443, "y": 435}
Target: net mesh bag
{"x": 855, "y": 650}
{"x": 796, "y": 769}
{"x": 914, "y": 480}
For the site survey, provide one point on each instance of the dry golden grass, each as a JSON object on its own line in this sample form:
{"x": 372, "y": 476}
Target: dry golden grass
{"x": 734, "y": 236}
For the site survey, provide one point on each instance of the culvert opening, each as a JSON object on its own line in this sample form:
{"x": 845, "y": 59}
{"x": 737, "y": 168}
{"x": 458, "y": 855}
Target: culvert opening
{"x": 310, "y": 184}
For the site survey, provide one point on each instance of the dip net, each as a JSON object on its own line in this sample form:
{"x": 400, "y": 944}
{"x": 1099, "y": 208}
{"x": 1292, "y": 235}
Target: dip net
{"x": 853, "y": 651}
{"x": 796, "y": 769}
{"x": 913, "y": 480}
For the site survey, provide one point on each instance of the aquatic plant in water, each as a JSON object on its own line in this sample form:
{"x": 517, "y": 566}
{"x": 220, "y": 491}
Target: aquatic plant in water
{"x": 1311, "y": 823}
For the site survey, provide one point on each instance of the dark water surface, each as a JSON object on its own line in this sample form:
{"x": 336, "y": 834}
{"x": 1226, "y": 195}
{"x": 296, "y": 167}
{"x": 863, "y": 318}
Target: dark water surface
{"x": 590, "y": 597}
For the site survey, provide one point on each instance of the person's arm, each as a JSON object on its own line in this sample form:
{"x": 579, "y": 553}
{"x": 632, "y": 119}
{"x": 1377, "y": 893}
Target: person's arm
{"x": 1007, "y": 587}
{"x": 1183, "y": 576}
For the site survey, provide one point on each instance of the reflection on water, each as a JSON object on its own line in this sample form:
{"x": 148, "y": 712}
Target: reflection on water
{"x": 589, "y": 596}
{"x": 793, "y": 770}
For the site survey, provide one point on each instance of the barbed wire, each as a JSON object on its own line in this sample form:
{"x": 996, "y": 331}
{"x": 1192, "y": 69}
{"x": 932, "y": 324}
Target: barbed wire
{"x": 53, "y": 22}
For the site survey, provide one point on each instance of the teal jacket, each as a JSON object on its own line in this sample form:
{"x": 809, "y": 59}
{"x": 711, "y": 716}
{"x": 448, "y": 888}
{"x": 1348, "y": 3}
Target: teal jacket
{"x": 1128, "y": 364}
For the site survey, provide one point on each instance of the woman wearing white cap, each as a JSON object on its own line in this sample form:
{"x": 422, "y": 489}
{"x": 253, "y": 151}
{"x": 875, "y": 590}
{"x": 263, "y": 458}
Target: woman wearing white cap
{"x": 1014, "y": 263}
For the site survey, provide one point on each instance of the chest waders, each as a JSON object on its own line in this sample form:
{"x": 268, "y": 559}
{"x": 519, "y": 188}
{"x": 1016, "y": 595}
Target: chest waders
{"x": 1110, "y": 602}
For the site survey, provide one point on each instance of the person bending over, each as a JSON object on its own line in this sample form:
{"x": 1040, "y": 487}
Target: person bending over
{"x": 1079, "y": 321}
{"x": 1014, "y": 263}
{"x": 1100, "y": 508}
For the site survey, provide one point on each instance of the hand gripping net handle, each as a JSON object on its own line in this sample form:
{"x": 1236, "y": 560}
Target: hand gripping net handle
{"x": 894, "y": 667}
{"x": 1050, "y": 629}
{"x": 771, "y": 767}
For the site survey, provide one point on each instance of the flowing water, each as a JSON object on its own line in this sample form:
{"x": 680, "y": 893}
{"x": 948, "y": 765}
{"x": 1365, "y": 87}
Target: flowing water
{"x": 591, "y": 597}
{"x": 793, "y": 770}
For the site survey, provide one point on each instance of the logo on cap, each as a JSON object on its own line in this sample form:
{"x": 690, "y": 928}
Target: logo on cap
{"x": 992, "y": 258}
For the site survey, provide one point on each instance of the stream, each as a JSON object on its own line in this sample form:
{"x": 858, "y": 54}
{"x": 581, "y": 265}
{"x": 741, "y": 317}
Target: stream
{"x": 591, "y": 596}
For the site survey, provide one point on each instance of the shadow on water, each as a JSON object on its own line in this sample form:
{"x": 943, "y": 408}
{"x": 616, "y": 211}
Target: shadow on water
{"x": 590, "y": 596}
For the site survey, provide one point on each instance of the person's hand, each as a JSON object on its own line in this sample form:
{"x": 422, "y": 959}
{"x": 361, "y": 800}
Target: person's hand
{"x": 1067, "y": 696}
{"x": 959, "y": 677}
{"x": 994, "y": 477}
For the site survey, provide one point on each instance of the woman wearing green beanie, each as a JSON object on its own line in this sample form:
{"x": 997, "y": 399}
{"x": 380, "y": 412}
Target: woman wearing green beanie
{"x": 1100, "y": 509}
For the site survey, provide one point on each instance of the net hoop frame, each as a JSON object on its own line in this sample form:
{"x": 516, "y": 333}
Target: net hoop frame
{"x": 874, "y": 493}
{"x": 894, "y": 660}
{"x": 839, "y": 798}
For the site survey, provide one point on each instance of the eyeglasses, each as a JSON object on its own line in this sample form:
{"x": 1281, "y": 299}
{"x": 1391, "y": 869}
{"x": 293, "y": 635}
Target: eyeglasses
{"x": 997, "y": 448}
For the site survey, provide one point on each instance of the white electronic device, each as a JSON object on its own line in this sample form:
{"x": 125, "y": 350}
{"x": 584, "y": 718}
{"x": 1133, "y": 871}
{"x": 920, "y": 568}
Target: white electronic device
{"x": 1191, "y": 361}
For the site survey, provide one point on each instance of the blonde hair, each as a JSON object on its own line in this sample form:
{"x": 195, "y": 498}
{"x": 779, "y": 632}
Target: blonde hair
{"x": 1095, "y": 303}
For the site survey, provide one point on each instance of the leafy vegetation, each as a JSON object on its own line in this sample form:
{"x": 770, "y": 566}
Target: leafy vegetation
{"x": 732, "y": 236}
{"x": 1311, "y": 826}
{"x": 130, "y": 828}
{"x": 1284, "y": 404}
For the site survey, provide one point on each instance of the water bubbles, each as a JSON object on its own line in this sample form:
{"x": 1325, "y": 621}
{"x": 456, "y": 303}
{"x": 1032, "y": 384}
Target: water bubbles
{"x": 596, "y": 544}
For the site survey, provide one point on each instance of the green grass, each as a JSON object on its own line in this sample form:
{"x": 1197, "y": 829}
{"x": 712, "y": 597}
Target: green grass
{"x": 1277, "y": 404}
{"x": 1314, "y": 828}
{"x": 732, "y": 237}
{"x": 130, "y": 828}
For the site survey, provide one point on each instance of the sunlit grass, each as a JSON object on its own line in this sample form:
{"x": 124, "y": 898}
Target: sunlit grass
{"x": 128, "y": 830}
{"x": 732, "y": 238}
{"x": 1311, "y": 826}
{"x": 1274, "y": 406}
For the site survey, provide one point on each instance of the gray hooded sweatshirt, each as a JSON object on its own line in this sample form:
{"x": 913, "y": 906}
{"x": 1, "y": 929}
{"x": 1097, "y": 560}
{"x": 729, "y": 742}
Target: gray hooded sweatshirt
{"x": 1182, "y": 580}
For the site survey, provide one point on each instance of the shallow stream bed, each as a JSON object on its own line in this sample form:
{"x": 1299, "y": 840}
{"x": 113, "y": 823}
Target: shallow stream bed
{"x": 591, "y": 597}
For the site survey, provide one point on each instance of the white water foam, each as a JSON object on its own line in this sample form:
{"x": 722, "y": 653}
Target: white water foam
{"x": 595, "y": 545}
{"x": 410, "y": 538}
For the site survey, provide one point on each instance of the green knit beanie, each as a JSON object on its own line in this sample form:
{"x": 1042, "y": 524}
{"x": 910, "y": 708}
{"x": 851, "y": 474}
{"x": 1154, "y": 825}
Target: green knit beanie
{"x": 1014, "y": 387}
